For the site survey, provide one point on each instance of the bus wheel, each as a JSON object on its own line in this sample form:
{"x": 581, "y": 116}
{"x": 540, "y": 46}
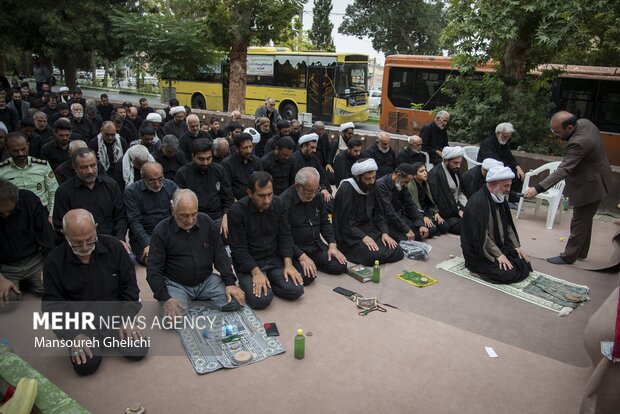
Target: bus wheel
{"x": 198, "y": 102}
{"x": 288, "y": 111}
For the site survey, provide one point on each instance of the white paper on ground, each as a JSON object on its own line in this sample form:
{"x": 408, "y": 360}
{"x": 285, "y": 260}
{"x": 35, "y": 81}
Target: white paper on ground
{"x": 491, "y": 352}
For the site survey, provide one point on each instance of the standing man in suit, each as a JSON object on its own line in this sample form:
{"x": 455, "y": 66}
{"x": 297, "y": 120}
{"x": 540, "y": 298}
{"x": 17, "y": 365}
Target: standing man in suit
{"x": 588, "y": 180}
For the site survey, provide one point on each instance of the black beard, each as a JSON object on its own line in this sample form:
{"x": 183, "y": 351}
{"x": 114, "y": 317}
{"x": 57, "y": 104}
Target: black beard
{"x": 366, "y": 187}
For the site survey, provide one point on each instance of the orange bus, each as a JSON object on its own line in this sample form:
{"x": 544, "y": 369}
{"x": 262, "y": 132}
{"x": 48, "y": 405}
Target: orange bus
{"x": 591, "y": 92}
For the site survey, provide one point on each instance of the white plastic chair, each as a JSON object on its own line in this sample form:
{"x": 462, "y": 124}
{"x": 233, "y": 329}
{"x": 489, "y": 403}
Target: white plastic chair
{"x": 429, "y": 165}
{"x": 553, "y": 196}
{"x": 471, "y": 154}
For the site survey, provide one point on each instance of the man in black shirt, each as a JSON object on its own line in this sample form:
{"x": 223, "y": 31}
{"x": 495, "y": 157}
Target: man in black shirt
{"x": 344, "y": 160}
{"x": 210, "y": 183}
{"x": 109, "y": 146}
{"x": 241, "y": 165}
{"x": 65, "y": 171}
{"x": 144, "y": 110}
{"x": 92, "y": 268}
{"x": 261, "y": 245}
{"x": 383, "y": 154}
{"x": 221, "y": 150}
{"x": 279, "y": 165}
{"x": 306, "y": 157}
{"x": 413, "y": 152}
{"x": 100, "y": 195}
{"x": 79, "y": 123}
{"x": 404, "y": 220}
{"x": 170, "y": 156}
{"x": 435, "y": 136}
{"x": 193, "y": 133}
{"x": 57, "y": 151}
{"x": 147, "y": 202}
{"x": 184, "y": 250}
{"x": 25, "y": 240}
{"x": 309, "y": 221}
{"x": 41, "y": 128}
{"x": 105, "y": 108}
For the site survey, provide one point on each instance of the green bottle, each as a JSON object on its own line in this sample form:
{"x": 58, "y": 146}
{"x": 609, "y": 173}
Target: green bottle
{"x": 300, "y": 344}
{"x": 376, "y": 272}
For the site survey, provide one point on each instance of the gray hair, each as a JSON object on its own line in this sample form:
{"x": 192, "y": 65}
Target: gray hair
{"x": 170, "y": 141}
{"x": 413, "y": 139}
{"x": 217, "y": 143}
{"x": 161, "y": 113}
{"x": 443, "y": 114}
{"x": 8, "y": 191}
{"x": 304, "y": 174}
{"x": 318, "y": 125}
{"x": 138, "y": 152}
{"x": 176, "y": 197}
{"x": 191, "y": 116}
{"x": 39, "y": 115}
{"x": 74, "y": 145}
{"x": 504, "y": 127}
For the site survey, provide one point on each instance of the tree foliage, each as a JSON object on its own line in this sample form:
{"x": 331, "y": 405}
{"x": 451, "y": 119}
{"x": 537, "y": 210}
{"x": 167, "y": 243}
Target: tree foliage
{"x": 519, "y": 35}
{"x": 396, "y": 26}
{"x": 482, "y": 104}
{"x": 233, "y": 24}
{"x": 321, "y": 33}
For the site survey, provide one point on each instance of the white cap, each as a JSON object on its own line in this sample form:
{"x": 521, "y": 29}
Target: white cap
{"x": 489, "y": 163}
{"x": 255, "y": 134}
{"x": 63, "y": 89}
{"x": 176, "y": 109}
{"x": 347, "y": 125}
{"x": 307, "y": 138}
{"x": 364, "y": 166}
{"x": 500, "y": 173}
{"x": 4, "y": 128}
{"x": 153, "y": 117}
{"x": 452, "y": 152}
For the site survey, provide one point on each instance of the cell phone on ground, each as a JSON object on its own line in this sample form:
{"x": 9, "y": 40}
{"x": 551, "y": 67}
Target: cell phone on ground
{"x": 343, "y": 291}
{"x": 272, "y": 329}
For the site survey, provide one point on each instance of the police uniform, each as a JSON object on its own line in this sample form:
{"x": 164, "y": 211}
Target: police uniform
{"x": 37, "y": 176}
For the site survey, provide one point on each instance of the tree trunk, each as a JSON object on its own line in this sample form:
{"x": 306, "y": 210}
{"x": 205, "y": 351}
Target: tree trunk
{"x": 512, "y": 68}
{"x": 93, "y": 68}
{"x": 2, "y": 63}
{"x": 238, "y": 66}
{"x": 106, "y": 67}
{"x": 69, "y": 63}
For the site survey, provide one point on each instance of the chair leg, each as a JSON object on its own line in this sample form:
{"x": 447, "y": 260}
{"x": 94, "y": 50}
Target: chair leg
{"x": 519, "y": 206}
{"x": 538, "y": 200}
{"x": 553, "y": 209}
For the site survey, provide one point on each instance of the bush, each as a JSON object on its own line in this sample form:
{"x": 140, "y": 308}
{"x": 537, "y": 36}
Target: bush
{"x": 482, "y": 104}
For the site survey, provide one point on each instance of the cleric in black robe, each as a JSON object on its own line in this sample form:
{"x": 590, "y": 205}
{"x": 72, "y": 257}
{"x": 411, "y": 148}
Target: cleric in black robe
{"x": 447, "y": 189}
{"x": 473, "y": 179}
{"x": 359, "y": 225}
{"x": 489, "y": 237}
{"x": 345, "y": 160}
{"x": 435, "y": 136}
{"x": 497, "y": 146}
{"x": 412, "y": 153}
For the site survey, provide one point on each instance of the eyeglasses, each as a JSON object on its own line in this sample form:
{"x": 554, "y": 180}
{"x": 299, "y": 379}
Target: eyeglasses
{"x": 83, "y": 244}
{"x": 311, "y": 192}
{"x": 557, "y": 133}
{"x": 155, "y": 180}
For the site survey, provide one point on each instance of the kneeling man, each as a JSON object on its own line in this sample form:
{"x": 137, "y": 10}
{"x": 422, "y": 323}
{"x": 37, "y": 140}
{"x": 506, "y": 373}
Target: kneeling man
{"x": 184, "y": 249}
{"x": 489, "y": 238}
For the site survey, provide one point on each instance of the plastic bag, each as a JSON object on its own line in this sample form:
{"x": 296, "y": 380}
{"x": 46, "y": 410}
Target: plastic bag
{"x": 415, "y": 249}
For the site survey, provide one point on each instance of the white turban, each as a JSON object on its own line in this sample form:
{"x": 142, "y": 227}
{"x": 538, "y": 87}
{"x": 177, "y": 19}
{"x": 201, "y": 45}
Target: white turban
{"x": 63, "y": 89}
{"x": 308, "y": 138}
{"x": 255, "y": 135}
{"x": 345, "y": 126}
{"x": 452, "y": 152}
{"x": 3, "y": 127}
{"x": 500, "y": 173}
{"x": 363, "y": 167}
{"x": 153, "y": 117}
{"x": 176, "y": 109}
{"x": 489, "y": 163}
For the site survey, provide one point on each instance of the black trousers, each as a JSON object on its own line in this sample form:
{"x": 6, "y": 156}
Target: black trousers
{"x": 454, "y": 224}
{"x": 279, "y": 287}
{"x": 319, "y": 257}
{"x": 359, "y": 253}
{"x": 491, "y": 272}
{"x": 578, "y": 244}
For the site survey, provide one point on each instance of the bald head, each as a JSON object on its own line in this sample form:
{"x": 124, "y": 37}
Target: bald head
{"x": 151, "y": 169}
{"x": 78, "y": 222}
{"x": 563, "y": 124}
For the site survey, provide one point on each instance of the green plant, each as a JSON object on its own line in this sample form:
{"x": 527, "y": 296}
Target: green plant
{"x": 481, "y": 104}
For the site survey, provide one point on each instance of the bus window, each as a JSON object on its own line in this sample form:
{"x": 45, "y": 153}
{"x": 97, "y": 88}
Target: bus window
{"x": 400, "y": 87}
{"x": 607, "y": 114}
{"x": 577, "y": 96}
{"x": 352, "y": 76}
{"x": 289, "y": 76}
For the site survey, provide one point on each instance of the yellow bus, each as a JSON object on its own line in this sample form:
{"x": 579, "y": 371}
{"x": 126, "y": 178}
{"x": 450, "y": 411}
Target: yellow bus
{"x": 333, "y": 87}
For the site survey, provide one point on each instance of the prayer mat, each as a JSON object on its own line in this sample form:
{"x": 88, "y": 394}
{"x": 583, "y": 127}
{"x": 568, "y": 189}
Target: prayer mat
{"x": 538, "y": 288}
{"x": 416, "y": 279}
{"x": 212, "y": 338}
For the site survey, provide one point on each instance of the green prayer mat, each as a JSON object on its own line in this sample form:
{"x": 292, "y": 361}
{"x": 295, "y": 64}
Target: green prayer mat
{"x": 211, "y": 346}
{"x": 538, "y": 288}
{"x": 416, "y": 279}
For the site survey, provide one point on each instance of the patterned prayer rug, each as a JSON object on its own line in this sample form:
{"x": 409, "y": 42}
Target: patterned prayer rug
{"x": 538, "y": 288}
{"x": 213, "y": 340}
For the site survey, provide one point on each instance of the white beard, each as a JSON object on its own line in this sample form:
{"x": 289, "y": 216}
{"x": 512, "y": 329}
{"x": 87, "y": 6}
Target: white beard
{"x": 385, "y": 151}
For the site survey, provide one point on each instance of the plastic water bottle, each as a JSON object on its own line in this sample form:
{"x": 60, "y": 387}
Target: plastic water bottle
{"x": 565, "y": 204}
{"x": 300, "y": 344}
{"x": 376, "y": 272}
